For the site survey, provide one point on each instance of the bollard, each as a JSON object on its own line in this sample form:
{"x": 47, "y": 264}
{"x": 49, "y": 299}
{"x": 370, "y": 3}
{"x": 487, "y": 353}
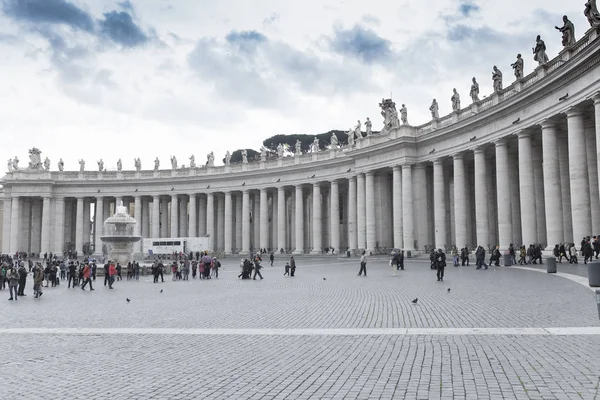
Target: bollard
{"x": 551, "y": 265}
{"x": 598, "y": 301}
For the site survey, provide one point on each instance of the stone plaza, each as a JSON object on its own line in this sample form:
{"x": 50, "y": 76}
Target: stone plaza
{"x": 504, "y": 333}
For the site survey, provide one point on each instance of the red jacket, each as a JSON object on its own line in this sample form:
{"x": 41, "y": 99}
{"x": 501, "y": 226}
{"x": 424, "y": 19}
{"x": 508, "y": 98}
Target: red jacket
{"x": 87, "y": 272}
{"x": 112, "y": 270}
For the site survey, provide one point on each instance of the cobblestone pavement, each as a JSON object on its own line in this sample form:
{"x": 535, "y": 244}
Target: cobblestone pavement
{"x": 263, "y": 366}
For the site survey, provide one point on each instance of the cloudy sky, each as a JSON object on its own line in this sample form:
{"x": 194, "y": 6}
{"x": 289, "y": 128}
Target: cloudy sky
{"x": 121, "y": 79}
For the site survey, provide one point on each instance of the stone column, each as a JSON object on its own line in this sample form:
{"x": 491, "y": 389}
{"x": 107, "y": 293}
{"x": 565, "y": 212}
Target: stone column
{"x": 255, "y": 230}
{"x": 299, "y": 249}
{"x": 334, "y": 217}
{"x": 174, "y": 216}
{"x": 79, "y": 227}
{"x": 145, "y": 217}
{"x": 87, "y": 226}
{"x": 565, "y": 186}
{"x": 46, "y": 226}
{"x": 420, "y": 205}
{"x": 460, "y": 209}
{"x": 526, "y": 188}
{"x": 592, "y": 167}
{"x": 164, "y": 218}
{"x": 597, "y": 126}
{"x": 439, "y": 200}
{"x": 210, "y": 220}
{"x": 538, "y": 188}
{"x": 580, "y": 188}
{"x": 352, "y": 228}
{"x": 59, "y": 226}
{"x": 316, "y": 219}
{"x": 264, "y": 219}
{"x": 220, "y": 246}
{"x": 245, "y": 222}
{"x": 193, "y": 223}
{"x": 481, "y": 198}
{"x": 155, "y": 217}
{"x": 503, "y": 195}
{"x": 397, "y": 205}
{"x": 238, "y": 221}
{"x": 361, "y": 214}
{"x": 370, "y": 214}
{"x": 552, "y": 191}
{"x": 137, "y": 215}
{"x": 98, "y": 224}
{"x": 228, "y": 224}
{"x": 183, "y": 217}
{"x": 6, "y": 219}
{"x": 407, "y": 208}
{"x": 281, "y": 218}
{"x": 202, "y": 215}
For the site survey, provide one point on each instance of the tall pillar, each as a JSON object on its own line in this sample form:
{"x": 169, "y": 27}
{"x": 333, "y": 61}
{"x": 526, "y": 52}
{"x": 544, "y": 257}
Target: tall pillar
{"x": 255, "y": 231}
{"x": 36, "y": 225}
{"x": 79, "y": 227}
{"x": 238, "y": 222}
{"x": 352, "y": 228}
{"x": 228, "y": 224}
{"x": 407, "y": 208}
{"x": 6, "y": 219}
{"x": 361, "y": 213}
{"x": 210, "y": 220}
{"x": 193, "y": 222}
{"x": 87, "y": 226}
{"x": 145, "y": 217}
{"x": 592, "y": 167}
{"x": 46, "y": 226}
{"x": 526, "y": 187}
{"x": 220, "y": 246}
{"x": 552, "y": 191}
{"x": 439, "y": 201}
{"x": 174, "y": 216}
{"x": 281, "y": 218}
{"x": 59, "y": 226}
{"x": 538, "y": 188}
{"x": 316, "y": 220}
{"x": 264, "y": 219}
{"x": 137, "y": 215}
{"x": 98, "y": 224}
{"x": 580, "y": 188}
{"x": 481, "y": 199}
{"x": 369, "y": 193}
{"x": 164, "y": 217}
{"x": 503, "y": 194}
{"x": 202, "y": 216}
{"x": 245, "y": 222}
{"x": 460, "y": 205}
{"x": 421, "y": 206}
{"x": 397, "y": 205}
{"x": 155, "y": 217}
{"x": 334, "y": 215}
{"x": 183, "y": 217}
{"x": 565, "y": 187}
{"x": 299, "y": 249}
{"x": 597, "y": 127}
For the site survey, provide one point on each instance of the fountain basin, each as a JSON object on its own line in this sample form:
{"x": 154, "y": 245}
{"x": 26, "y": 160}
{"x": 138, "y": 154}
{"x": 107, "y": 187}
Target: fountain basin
{"x": 120, "y": 236}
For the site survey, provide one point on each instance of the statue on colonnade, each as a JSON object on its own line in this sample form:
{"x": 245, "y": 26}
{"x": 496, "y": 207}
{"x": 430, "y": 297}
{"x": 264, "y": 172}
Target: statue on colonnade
{"x": 497, "y": 78}
{"x": 138, "y": 164}
{"x": 539, "y": 51}
{"x": 474, "y": 93}
{"x": 61, "y": 165}
{"x": 47, "y": 164}
{"x": 591, "y": 13}
{"x": 568, "y": 32}
{"x": 435, "y": 109}
{"x": 455, "y": 100}
{"x": 518, "y": 67}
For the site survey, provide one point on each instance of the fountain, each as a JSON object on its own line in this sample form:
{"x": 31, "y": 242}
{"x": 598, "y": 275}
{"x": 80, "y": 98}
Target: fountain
{"x": 119, "y": 236}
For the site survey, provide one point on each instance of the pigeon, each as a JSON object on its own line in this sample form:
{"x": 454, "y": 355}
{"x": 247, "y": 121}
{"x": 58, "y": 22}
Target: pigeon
{"x": 128, "y": 300}
{"x": 279, "y": 180}
{"x": 161, "y": 290}
{"x": 313, "y": 176}
{"x": 208, "y": 187}
{"x": 415, "y": 301}
{"x": 349, "y": 169}
{"x": 324, "y": 279}
{"x": 244, "y": 184}
{"x": 448, "y": 290}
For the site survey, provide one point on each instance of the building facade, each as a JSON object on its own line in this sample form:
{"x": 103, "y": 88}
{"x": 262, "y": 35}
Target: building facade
{"x": 519, "y": 166}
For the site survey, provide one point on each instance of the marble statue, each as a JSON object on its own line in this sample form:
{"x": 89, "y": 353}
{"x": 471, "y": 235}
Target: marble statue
{"x": 568, "y": 32}
{"x": 404, "y": 115}
{"x": 119, "y": 165}
{"x": 81, "y": 165}
{"x": 263, "y": 154}
{"x": 15, "y": 163}
{"x": 280, "y": 150}
{"x": 156, "y": 164}
{"x": 455, "y": 100}
{"x": 138, "y": 164}
{"x": 100, "y": 165}
{"x": 228, "y": 158}
{"x": 211, "y": 159}
{"x": 35, "y": 159}
{"x": 518, "y": 67}
{"x": 10, "y": 168}
{"x": 539, "y": 51}
{"x": 61, "y": 165}
{"x": 389, "y": 114}
{"x": 592, "y": 14}
{"x": 368, "y": 127}
{"x": 435, "y": 110}
{"x": 474, "y": 93}
{"x": 173, "y": 162}
{"x": 192, "y": 161}
{"x": 350, "y": 134}
{"x": 298, "y": 147}
{"x": 244, "y": 156}
{"x": 334, "y": 141}
{"x": 497, "y": 78}
{"x": 357, "y": 130}
{"x": 315, "y": 144}
{"x": 47, "y": 164}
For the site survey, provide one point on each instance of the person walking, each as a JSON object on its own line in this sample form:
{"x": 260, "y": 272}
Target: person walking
{"x": 112, "y": 272}
{"x": 216, "y": 264}
{"x": 72, "y": 275}
{"x": 292, "y": 266}
{"x": 257, "y": 267}
{"x": 38, "y": 279}
{"x": 87, "y": 276}
{"x": 394, "y": 262}
{"x": 363, "y": 263}
{"x": 287, "y": 269}
{"x": 272, "y": 258}
{"x": 22, "y": 278}
{"x": 13, "y": 282}
{"x": 440, "y": 264}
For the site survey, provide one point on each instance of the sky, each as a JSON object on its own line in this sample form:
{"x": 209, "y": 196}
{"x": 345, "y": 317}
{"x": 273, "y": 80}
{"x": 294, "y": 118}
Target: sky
{"x": 103, "y": 79}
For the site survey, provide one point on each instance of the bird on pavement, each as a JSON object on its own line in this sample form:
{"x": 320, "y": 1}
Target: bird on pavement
{"x": 448, "y": 290}
{"x": 324, "y": 279}
{"x": 415, "y": 301}
{"x": 161, "y": 290}
{"x": 128, "y": 300}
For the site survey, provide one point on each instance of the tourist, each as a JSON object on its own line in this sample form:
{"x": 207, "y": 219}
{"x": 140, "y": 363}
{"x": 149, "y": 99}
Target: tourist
{"x": 13, "y": 281}
{"x": 87, "y": 274}
{"x": 363, "y": 263}
{"x": 455, "y": 256}
{"x": 194, "y": 268}
{"x": 53, "y": 273}
{"x": 22, "y": 278}
{"x": 174, "y": 271}
{"x": 573, "y": 253}
{"x": 522, "y": 255}
{"x": 38, "y": 279}
{"x": 136, "y": 270}
{"x": 588, "y": 252}
{"x": 129, "y": 271}
{"x": 480, "y": 258}
{"x": 216, "y": 264}
{"x": 292, "y": 266}
{"x": 257, "y": 267}
{"x": 119, "y": 268}
{"x": 394, "y": 262}
{"x": 272, "y": 258}
{"x": 3, "y": 280}
{"x": 63, "y": 269}
{"x": 72, "y": 275}
{"x": 432, "y": 259}
{"x": 440, "y": 264}
{"x": 112, "y": 273}
{"x": 106, "y": 275}
{"x": 287, "y": 269}
{"x": 186, "y": 269}
{"x": 511, "y": 253}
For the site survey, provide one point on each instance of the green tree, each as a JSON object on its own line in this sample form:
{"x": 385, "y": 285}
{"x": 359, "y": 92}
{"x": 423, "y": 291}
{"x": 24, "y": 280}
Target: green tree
{"x": 306, "y": 140}
{"x": 236, "y": 156}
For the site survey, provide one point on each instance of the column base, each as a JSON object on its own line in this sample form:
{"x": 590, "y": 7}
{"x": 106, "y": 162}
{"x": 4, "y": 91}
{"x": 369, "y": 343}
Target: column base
{"x": 316, "y": 252}
{"x": 297, "y": 252}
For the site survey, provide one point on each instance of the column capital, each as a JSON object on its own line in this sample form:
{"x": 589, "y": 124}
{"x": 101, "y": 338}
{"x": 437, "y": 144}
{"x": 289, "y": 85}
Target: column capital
{"x": 438, "y": 161}
{"x": 479, "y": 149}
{"x": 458, "y": 156}
{"x": 370, "y": 173}
{"x": 547, "y": 124}
{"x": 406, "y": 166}
{"x": 524, "y": 134}
{"x": 420, "y": 165}
{"x": 502, "y": 142}
{"x": 574, "y": 112}
{"x": 596, "y": 98}
{"x": 397, "y": 168}
{"x": 334, "y": 182}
